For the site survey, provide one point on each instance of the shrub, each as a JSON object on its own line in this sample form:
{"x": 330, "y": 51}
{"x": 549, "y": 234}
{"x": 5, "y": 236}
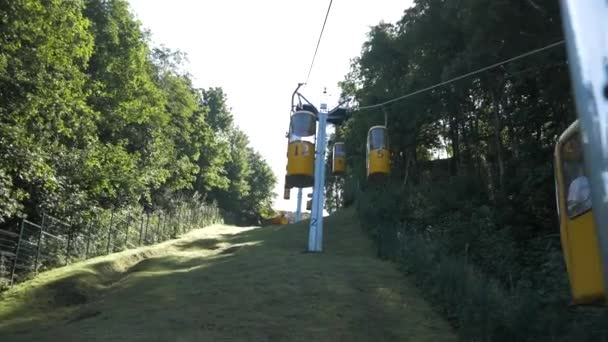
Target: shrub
{"x": 470, "y": 264}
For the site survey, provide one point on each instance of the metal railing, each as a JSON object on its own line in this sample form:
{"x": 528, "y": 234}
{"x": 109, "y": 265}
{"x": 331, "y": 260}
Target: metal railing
{"x": 27, "y": 248}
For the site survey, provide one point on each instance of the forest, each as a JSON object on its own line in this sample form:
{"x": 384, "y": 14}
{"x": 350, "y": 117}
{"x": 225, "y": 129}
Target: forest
{"x": 93, "y": 117}
{"x": 470, "y": 208}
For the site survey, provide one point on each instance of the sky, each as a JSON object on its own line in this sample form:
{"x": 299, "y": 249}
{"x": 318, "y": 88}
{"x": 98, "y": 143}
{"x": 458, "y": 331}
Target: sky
{"x": 258, "y": 51}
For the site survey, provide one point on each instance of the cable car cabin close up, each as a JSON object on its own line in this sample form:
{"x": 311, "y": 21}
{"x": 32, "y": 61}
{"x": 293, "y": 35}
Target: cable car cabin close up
{"x": 339, "y": 159}
{"x": 378, "y": 156}
{"x": 301, "y": 150}
{"x": 577, "y": 226}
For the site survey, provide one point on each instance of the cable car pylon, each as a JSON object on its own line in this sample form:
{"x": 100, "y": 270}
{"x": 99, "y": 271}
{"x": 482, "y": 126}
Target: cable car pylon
{"x": 304, "y": 119}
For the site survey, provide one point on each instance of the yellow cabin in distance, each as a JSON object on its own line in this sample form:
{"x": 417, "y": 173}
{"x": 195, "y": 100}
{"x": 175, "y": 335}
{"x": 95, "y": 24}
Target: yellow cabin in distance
{"x": 378, "y": 156}
{"x": 301, "y": 150}
{"x": 284, "y": 220}
{"x": 339, "y": 159}
{"x": 577, "y": 226}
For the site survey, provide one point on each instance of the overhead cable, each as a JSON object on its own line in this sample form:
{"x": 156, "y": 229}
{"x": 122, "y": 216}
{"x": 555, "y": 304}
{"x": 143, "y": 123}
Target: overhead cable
{"x": 319, "y": 41}
{"x": 495, "y": 65}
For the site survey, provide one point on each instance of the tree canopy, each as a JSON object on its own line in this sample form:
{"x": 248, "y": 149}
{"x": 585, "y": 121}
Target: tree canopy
{"x": 498, "y": 127}
{"x": 92, "y": 116}
{"x": 472, "y": 188}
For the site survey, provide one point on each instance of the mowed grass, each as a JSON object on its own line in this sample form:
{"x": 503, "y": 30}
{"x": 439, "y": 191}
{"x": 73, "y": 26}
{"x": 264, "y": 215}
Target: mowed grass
{"x": 227, "y": 284}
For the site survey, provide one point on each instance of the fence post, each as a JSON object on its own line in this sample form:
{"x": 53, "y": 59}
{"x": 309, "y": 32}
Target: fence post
{"x": 141, "y": 228}
{"x": 86, "y": 252}
{"x": 171, "y": 225}
{"x": 195, "y": 216}
{"x": 177, "y": 225}
{"x": 167, "y": 224}
{"x": 67, "y": 249}
{"x": 128, "y": 226}
{"x": 39, "y": 243}
{"x": 146, "y": 229}
{"x": 183, "y": 219}
{"x": 110, "y": 231}
{"x": 158, "y": 223}
{"x": 162, "y": 229}
{"x": 191, "y": 214}
{"x": 17, "y": 249}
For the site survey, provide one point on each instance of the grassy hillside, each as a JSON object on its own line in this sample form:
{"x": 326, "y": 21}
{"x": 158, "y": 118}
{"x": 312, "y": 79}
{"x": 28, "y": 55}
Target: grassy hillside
{"x": 227, "y": 283}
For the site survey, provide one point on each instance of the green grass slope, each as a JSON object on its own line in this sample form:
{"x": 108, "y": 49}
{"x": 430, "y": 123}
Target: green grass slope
{"x": 227, "y": 284}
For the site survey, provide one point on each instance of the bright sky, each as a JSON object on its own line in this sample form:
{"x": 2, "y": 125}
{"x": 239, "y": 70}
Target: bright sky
{"x": 258, "y": 51}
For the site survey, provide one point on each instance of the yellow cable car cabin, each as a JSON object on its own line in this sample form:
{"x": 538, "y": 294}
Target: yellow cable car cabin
{"x": 279, "y": 219}
{"x": 339, "y": 159}
{"x": 301, "y": 150}
{"x": 378, "y": 156}
{"x": 284, "y": 219}
{"x": 577, "y": 227}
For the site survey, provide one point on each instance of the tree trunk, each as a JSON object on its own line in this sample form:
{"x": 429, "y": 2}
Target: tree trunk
{"x": 407, "y": 169}
{"x": 455, "y": 146}
{"x": 485, "y": 170}
{"x": 478, "y": 162}
{"x": 513, "y": 140}
{"x": 466, "y": 140}
{"x": 496, "y": 110}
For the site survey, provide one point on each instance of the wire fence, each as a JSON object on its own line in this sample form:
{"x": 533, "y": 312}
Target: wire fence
{"x": 27, "y": 248}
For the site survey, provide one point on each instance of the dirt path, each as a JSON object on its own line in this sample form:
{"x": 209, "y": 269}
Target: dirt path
{"x": 227, "y": 284}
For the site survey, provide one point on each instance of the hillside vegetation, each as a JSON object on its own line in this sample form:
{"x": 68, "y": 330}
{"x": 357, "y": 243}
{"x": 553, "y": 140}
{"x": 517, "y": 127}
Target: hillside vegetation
{"x": 469, "y": 207}
{"x": 93, "y": 117}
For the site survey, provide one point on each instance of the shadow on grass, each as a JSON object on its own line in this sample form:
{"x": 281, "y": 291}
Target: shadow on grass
{"x": 87, "y": 284}
{"x": 342, "y": 236}
{"x": 260, "y": 288}
{"x": 199, "y": 244}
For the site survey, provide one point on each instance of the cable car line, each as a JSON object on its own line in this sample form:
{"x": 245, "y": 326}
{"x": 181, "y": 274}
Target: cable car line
{"x": 318, "y": 41}
{"x": 437, "y": 85}
{"x": 300, "y": 96}
{"x": 295, "y": 92}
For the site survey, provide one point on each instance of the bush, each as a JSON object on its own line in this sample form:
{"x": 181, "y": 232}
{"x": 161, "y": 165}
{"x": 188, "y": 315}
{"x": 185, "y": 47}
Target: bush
{"x": 473, "y": 268}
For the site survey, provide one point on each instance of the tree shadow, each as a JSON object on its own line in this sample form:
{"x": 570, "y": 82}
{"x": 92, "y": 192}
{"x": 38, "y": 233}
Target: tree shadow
{"x": 261, "y": 288}
{"x": 211, "y": 244}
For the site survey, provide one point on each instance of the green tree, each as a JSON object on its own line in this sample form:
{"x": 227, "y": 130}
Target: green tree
{"x": 258, "y": 202}
{"x": 44, "y": 120}
{"x": 91, "y": 116}
{"x": 491, "y": 200}
{"x": 215, "y": 151}
{"x": 220, "y": 119}
{"x": 237, "y": 171}
{"x": 131, "y": 106}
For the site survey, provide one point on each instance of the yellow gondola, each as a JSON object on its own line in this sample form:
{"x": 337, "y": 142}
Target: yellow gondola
{"x": 301, "y": 150}
{"x": 339, "y": 160}
{"x": 284, "y": 219}
{"x": 378, "y": 157}
{"x": 577, "y": 227}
